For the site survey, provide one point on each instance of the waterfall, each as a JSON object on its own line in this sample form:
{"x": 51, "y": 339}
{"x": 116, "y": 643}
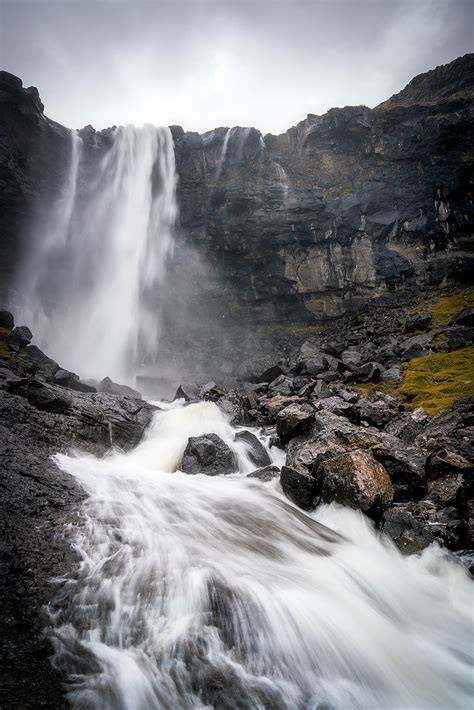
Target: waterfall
{"x": 223, "y": 154}
{"x": 217, "y": 593}
{"x": 91, "y": 282}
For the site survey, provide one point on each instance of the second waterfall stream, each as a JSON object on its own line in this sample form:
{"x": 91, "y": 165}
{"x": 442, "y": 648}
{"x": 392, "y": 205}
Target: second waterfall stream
{"x": 216, "y": 592}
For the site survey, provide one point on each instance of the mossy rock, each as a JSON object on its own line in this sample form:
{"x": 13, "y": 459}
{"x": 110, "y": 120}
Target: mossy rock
{"x": 434, "y": 382}
{"x": 446, "y": 308}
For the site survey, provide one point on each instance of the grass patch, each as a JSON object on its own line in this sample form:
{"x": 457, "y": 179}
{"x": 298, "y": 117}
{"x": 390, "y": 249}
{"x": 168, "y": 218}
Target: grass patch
{"x": 391, "y": 388}
{"x": 434, "y": 382}
{"x": 446, "y": 308}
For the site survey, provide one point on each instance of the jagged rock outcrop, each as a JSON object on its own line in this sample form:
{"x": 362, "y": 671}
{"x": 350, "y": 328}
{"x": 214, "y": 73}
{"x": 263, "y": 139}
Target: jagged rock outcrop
{"x": 279, "y": 232}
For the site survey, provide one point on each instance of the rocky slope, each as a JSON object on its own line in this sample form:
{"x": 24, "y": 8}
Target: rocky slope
{"x": 280, "y": 231}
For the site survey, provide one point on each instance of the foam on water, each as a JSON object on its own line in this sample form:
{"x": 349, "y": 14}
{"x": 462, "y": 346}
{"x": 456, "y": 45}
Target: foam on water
{"x": 201, "y": 592}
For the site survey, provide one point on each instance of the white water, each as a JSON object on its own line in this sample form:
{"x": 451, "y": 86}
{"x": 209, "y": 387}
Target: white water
{"x": 223, "y": 154}
{"x": 199, "y": 592}
{"x": 100, "y": 255}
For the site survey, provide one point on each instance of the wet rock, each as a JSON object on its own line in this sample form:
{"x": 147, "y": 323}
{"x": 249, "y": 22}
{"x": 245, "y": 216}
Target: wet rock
{"x": 301, "y": 488}
{"x": 72, "y": 381}
{"x": 418, "y": 322}
{"x": 210, "y": 455}
{"x": 45, "y": 366}
{"x": 269, "y": 375}
{"x": 407, "y": 426}
{"x": 187, "y": 391}
{"x": 337, "y": 405}
{"x": 107, "y": 385}
{"x": 267, "y": 473}
{"x": 274, "y": 404}
{"x": 257, "y": 453}
{"x": 377, "y": 413}
{"x": 465, "y": 318}
{"x": 414, "y": 526}
{"x": 405, "y": 465}
{"x": 357, "y": 480}
{"x": 6, "y": 320}
{"x": 450, "y": 490}
{"x": 19, "y": 337}
{"x": 294, "y": 420}
{"x": 444, "y": 462}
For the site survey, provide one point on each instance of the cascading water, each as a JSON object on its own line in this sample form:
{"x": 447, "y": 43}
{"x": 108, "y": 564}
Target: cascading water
{"x": 106, "y": 245}
{"x": 200, "y": 592}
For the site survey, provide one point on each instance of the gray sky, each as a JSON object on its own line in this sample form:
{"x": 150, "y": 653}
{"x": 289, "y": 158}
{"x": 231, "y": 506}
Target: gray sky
{"x": 208, "y": 63}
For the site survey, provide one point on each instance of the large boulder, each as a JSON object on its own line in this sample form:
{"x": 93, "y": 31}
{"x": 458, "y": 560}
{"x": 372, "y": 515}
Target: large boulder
{"x": 419, "y": 322}
{"x": 19, "y": 337}
{"x": 465, "y": 318}
{"x": 111, "y": 387}
{"x": 357, "y": 480}
{"x": 6, "y": 320}
{"x": 301, "y": 488}
{"x": 256, "y": 451}
{"x": 294, "y": 420}
{"x": 210, "y": 455}
{"x": 65, "y": 378}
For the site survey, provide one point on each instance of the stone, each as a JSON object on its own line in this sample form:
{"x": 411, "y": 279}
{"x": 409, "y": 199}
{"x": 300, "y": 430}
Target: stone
{"x": 416, "y": 346}
{"x": 19, "y": 337}
{"x": 107, "y": 385}
{"x": 256, "y": 451}
{"x": 187, "y": 391}
{"x": 294, "y": 420}
{"x": 357, "y": 480}
{"x": 465, "y": 318}
{"x": 448, "y": 490}
{"x": 301, "y": 488}
{"x": 351, "y": 356}
{"x": 282, "y": 385}
{"x": 315, "y": 366}
{"x": 405, "y": 465}
{"x": 444, "y": 462}
{"x": 391, "y": 374}
{"x": 72, "y": 381}
{"x": 210, "y": 455}
{"x": 369, "y": 372}
{"x": 418, "y": 322}
{"x": 265, "y": 474}
{"x": 6, "y": 320}
{"x": 274, "y": 404}
{"x": 377, "y": 413}
{"x": 337, "y": 405}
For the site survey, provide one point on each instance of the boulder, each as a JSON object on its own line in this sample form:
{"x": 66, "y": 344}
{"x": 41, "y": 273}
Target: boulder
{"x": 107, "y": 385}
{"x": 405, "y": 465}
{"x": 315, "y": 366}
{"x": 357, "y": 480}
{"x": 414, "y": 526}
{"x": 352, "y": 357}
{"x": 465, "y": 318}
{"x": 187, "y": 391}
{"x": 337, "y": 405}
{"x": 392, "y": 374}
{"x": 208, "y": 454}
{"x": 19, "y": 337}
{"x": 444, "y": 462}
{"x": 281, "y": 385}
{"x": 6, "y": 320}
{"x": 257, "y": 453}
{"x": 301, "y": 488}
{"x": 418, "y": 322}
{"x": 450, "y": 490}
{"x": 377, "y": 413}
{"x": 294, "y": 420}
{"x": 416, "y": 346}
{"x": 72, "y": 381}
{"x": 265, "y": 474}
{"x": 369, "y": 372}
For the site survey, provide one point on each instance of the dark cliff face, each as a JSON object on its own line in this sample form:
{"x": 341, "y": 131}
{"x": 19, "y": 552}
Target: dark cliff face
{"x": 293, "y": 229}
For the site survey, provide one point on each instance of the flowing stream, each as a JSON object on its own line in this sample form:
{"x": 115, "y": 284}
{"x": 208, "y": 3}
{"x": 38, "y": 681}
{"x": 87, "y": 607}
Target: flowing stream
{"x": 215, "y": 592}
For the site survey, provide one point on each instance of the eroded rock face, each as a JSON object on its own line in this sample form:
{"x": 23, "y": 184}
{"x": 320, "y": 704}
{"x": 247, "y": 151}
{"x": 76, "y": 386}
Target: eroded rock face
{"x": 208, "y": 454}
{"x": 281, "y": 230}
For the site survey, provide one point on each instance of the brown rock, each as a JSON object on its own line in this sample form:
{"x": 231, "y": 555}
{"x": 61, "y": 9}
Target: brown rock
{"x": 357, "y": 480}
{"x": 294, "y": 420}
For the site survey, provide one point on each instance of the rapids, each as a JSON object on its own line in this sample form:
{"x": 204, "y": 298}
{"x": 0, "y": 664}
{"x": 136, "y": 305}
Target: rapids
{"x": 201, "y": 592}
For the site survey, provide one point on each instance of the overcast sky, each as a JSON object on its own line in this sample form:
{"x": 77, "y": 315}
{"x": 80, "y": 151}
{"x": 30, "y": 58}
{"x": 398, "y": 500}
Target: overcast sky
{"x": 208, "y": 63}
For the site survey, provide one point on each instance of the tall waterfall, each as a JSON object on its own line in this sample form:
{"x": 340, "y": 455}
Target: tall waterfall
{"x": 218, "y": 594}
{"x": 92, "y": 281}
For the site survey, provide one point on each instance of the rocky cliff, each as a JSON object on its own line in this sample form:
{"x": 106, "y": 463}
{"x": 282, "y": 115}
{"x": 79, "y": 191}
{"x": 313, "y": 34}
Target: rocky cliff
{"x": 277, "y": 232}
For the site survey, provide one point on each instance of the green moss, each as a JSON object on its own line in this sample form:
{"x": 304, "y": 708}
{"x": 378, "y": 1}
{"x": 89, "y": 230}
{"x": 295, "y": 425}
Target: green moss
{"x": 434, "y": 382}
{"x": 391, "y": 388}
{"x": 444, "y": 309}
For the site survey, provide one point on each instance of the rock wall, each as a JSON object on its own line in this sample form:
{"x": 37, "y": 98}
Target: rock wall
{"x": 281, "y": 231}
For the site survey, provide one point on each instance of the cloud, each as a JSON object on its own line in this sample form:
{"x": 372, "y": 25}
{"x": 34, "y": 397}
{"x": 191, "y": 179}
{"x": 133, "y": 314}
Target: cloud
{"x": 208, "y": 63}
